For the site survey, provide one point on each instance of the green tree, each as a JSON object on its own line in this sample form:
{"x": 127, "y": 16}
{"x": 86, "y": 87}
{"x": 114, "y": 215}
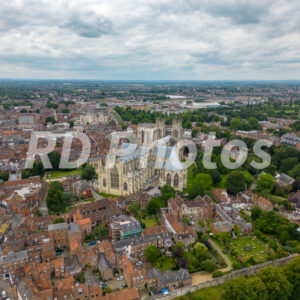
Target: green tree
{"x": 292, "y": 272}
{"x": 253, "y": 123}
{"x": 237, "y": 289}
{"x": 59, "y": 220}
{"x": 100, "y": 232}
{"x": 276, "y": 283}
{"x": 288, "y": 164}
{"x": 50, "y": 119}
{"x": 208, "y": 265}
{"x": 65, "y": 111}
{"x": 248, "y": 178}
{"x": 54, "y": 158}
{"x": 36, "y": 170}
{"x": 256, "y": 212}
{"x": 4, "y": 176}
{"x": 154, "y": 205}
{"x": 55, "y": 200}
{"x": 167, "y": 192}
{"x": 257, "y": 289}
{"x": 236, "y": 229}
{"x": 196, "y": 189}
{"x": 235, "y": 182}
{"x": 216, "y": 177}
{"x": 295, "y": 172}
{"x": 88, "y": 173}
{"x": 152, "y": 254}
{"x": 265, "y": 182}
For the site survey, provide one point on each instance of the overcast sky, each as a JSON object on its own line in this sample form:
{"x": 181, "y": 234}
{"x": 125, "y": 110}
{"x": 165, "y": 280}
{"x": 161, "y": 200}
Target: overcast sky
{"x": 150, "y": 39}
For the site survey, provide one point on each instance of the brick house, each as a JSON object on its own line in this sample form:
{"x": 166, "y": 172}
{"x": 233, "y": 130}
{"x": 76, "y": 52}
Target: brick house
{"x": 264, "y": 204}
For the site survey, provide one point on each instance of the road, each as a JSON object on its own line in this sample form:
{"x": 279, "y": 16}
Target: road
{"x": 203, "y": 276}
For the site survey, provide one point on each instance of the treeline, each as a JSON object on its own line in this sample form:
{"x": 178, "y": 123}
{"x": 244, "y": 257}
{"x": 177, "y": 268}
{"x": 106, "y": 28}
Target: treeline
{"x": 272, "y": 283}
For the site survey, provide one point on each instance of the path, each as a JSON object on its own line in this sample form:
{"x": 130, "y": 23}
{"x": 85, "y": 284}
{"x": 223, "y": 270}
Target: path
{"x": 203, "y": 276}
{"x": 227, "y": 260}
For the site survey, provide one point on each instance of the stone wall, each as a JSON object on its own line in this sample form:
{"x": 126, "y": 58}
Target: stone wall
{"x": 220, "y": 280}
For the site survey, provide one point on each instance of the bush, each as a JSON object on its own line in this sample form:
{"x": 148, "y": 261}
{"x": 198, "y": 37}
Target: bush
{"x": 217, "y": 273}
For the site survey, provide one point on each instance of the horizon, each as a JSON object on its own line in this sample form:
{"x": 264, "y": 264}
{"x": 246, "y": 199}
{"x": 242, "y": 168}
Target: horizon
{"x": 150, "y": 40}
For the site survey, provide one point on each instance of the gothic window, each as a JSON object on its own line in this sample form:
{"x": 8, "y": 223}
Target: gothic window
{"x": 125, "y": 186}
{"x": 159, "y": 133}
{"x": 176, "y": 180}
{"x": 104, "y": 182}
{"x": 114, "y": 178}
{"x": 168, "y": 179}
{"x": 175, "y": 133}
{"x": 143, "y": 137}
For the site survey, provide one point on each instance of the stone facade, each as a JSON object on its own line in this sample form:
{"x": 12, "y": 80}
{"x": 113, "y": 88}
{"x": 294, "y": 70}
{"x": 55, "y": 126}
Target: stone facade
{"x": 148, "y": 164}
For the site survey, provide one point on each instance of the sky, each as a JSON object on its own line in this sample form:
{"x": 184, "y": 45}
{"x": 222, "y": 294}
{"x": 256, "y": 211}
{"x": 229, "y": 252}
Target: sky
{"x": 150, "y": 39}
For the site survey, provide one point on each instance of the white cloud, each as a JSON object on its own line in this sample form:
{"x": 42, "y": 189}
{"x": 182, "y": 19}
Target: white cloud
{"x": 153, "y": 39}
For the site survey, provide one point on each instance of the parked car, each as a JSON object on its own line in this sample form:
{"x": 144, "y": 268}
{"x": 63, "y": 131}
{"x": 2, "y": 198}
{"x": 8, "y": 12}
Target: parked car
{"x": 4, "y": 295}
{"x": 124, "y": 286}
{"x": 120, "y": 278}
{"x": 92, "y": 243}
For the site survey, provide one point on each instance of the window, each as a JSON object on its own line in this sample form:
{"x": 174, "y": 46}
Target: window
{"x": 104, "y": 182}
{"x": 169, "y": 179}
{"x": 175, "y": 133}
{"x": 114, "y": 178}
{"x": 125, "y": 186}
{"x": 176, "y": 180}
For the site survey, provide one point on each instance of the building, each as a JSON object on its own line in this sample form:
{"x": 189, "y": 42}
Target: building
{"x": 104, "y": 267}
{"x": 103, "y": 211}
{"x": 93, "y": 118}
{"x": 12, "y": 262}
{"x": 201, "y": 208}
{"x": 82, "y": 189}
{"x": 264, "y": 204}
{"x": 59, "y": 234}
{"x": 145, "y": 164}
{"x": 168, "y": 280}
{"x": 124, "y": 227}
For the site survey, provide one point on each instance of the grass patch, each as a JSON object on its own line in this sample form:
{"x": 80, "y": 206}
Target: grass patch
{"x": 211, "y": 293}
{"x": 150, "y": 222}
{"x": 107, "y": 195}
{"x": 256, "y": 248}
{"x": 61, "y": 173}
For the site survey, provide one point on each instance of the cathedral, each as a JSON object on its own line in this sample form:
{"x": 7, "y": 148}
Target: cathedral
{"x": 154, "y": 161}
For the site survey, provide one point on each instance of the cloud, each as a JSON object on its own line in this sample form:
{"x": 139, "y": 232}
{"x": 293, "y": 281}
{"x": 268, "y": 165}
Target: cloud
{"x": 89, "y": 26}
{"x": 153, "y": 39}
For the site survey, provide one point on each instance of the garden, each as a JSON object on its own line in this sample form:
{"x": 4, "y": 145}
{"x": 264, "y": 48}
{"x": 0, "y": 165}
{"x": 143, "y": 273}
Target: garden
{"x": 244, "y": 250}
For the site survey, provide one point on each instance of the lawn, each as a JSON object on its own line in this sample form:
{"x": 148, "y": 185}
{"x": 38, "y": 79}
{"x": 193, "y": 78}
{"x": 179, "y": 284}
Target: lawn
{"x": 61, "y": 173}
{"x": 211, "y": 293}
{"x": 249, "y": 246}
{"x": 107, "y": 195}
{"x": 150, "y": 222}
